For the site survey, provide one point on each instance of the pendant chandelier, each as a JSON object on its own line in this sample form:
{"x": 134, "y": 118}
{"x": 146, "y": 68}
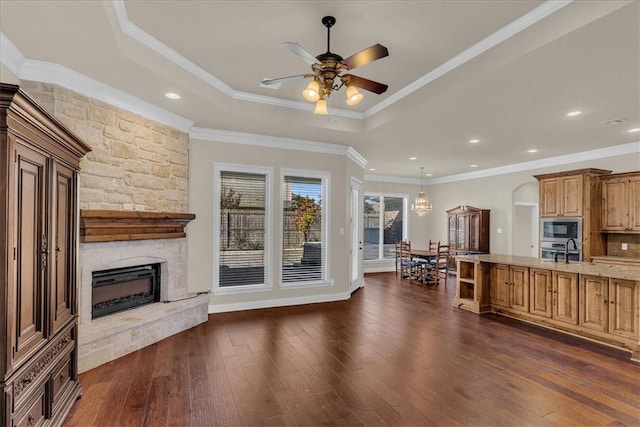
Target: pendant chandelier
{"x": 422, "y": 205}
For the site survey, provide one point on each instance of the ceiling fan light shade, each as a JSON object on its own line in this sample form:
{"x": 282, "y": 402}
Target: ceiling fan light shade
{"x": 353, "y": 96}
{"x": 312, "y": 92}
{"x": 321, "y": 107}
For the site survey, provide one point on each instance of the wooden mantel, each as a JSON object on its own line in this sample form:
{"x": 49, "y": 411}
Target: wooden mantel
{"x": 120, "y": 226}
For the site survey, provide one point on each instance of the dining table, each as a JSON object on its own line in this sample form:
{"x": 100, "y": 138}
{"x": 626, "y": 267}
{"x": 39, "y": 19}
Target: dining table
{"x": 424, "y": 253}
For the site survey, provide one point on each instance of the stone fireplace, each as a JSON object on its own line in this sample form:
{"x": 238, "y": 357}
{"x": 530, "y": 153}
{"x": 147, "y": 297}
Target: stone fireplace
{"x": 108, "y": 337}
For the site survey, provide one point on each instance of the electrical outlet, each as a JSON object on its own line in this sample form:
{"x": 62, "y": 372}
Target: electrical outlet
{"x": 625, "y": 246}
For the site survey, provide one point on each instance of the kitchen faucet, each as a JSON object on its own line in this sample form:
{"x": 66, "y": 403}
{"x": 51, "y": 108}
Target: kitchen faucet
{"x": 566, "y": 249}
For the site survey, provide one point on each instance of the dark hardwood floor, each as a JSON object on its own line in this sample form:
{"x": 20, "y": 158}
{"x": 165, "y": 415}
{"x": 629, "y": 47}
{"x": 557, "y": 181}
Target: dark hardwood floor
{"x": 395, "y": 354}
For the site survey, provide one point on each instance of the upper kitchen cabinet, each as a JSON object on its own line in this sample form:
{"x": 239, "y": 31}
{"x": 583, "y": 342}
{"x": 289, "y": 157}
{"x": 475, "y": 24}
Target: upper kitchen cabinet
{"x": 568, "y": 193}
{"x": 577, "y": 194}
{"x": 621, "y": 203}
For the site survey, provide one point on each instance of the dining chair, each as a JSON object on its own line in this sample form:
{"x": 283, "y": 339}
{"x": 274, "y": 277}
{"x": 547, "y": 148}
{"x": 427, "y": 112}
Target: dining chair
{"x": 442, "y": 264}
{"x": 406, "y": 265}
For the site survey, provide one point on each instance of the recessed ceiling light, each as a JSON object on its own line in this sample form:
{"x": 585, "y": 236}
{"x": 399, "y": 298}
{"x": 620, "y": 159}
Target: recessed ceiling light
{"x": 574, "y": 113}
{"x": 474, "y": 141}
{"x": 533, "y": 150}
{"x": 428, "y": 174}
{"x": 372, "y": 169}
{"x": 473, "y": 166}
{"x": 413, "y": 158}
{"x": 634, "y": 130}
{"x": 172, "y": 95}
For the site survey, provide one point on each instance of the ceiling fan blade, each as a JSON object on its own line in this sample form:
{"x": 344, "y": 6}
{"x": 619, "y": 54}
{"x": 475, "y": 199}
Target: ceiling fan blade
{"x": 365, "y": 56}
{"x": 365, "y": 84}
{"x": 275, "y": 83}
{"x": 296, "y": 49}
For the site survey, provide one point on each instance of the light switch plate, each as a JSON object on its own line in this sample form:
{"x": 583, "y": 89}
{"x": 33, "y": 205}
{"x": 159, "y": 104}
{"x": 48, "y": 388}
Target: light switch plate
{"x": 625, "y": 246}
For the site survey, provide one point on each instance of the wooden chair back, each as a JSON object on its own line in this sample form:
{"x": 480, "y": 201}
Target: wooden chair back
{"x": 442, "y": 263}
{"x": 433, "y": 245}
{"x": 405, "y": 259}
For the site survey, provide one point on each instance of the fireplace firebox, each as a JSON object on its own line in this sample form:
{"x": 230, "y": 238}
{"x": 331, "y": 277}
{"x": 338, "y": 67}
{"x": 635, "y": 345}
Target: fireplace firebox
{"x": 121, "y": 289}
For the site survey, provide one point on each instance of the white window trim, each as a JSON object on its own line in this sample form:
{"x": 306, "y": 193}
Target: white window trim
{"x": 219, "y": 167}
{"x": 405, "y": 222}
{"x": 326, "y": 224}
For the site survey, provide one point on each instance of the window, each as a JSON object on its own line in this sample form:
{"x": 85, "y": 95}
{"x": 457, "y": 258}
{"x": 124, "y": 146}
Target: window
{"x": 242, "y": 225}
{"x": 385, "y": 224}
{"x": 304, "y": 227}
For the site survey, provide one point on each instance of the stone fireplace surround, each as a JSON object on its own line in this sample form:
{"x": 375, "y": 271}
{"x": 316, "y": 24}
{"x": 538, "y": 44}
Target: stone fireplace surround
{"x": 108, "y": 338}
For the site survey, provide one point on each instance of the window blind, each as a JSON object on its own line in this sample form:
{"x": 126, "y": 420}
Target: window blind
{"x": 242, "y": 229}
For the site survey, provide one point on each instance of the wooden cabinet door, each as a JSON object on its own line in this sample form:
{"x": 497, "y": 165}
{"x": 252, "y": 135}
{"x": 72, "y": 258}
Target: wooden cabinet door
{"x": 594, "y": 308}
{"x": 452, "y": 232}
{"x": 519, "y": 289}
{"x": 634, "y": 204}
{"x": 461, "y": 230}
{"x": 540, "y": 288}
{"x": 499, "y": 289}
{"x": 623, "y": 308}
{"x": 615, "y": 204}
{"x": 30, "y": 243}
{"x": 474, "y": 232}
{"x": 571, "y": 191}
{"x": 550, "y": 197}
{"x": 565, "y": 297}
{"x": 63, "y": 275}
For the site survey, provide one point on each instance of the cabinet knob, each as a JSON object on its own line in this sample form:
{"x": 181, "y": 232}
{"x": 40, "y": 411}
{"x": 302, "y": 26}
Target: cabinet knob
{"x": 604, "y": 301}
{"x": 612, "y": 302}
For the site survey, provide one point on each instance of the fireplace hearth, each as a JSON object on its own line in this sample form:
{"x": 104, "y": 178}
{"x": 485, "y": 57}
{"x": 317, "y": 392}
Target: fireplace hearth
{"x": 120, "y": 289}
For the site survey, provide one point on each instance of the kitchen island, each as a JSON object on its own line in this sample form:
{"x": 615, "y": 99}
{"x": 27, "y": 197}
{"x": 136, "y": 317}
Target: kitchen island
{"x": 600, "y": 302}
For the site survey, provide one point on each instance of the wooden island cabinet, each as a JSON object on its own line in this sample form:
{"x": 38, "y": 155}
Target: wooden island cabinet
{"x": 595, "y": 301}
{"x": 40, "y": 160}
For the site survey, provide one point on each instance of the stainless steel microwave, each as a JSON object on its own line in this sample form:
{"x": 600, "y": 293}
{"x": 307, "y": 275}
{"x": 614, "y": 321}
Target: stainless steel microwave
{"x": 560, "y": 229}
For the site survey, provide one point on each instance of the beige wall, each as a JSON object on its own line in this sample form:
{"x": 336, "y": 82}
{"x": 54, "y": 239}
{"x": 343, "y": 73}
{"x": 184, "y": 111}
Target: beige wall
{"x": 135, "y": 163}
{"x": 494, "y": 193}
{"x": 203, "y": 155}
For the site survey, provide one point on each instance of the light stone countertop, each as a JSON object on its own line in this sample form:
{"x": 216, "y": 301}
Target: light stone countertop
{"x": 615, "y": 271}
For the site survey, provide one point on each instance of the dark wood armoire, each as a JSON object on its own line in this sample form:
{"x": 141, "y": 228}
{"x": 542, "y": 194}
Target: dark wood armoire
{"x": 468, "y": 230}
{"x": 39, "y": 163}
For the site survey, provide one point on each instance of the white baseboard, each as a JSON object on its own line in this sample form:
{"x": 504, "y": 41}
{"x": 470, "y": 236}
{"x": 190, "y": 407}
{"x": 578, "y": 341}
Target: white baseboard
{"x": 278, "y": 302}
{"x": 381, "y": 269}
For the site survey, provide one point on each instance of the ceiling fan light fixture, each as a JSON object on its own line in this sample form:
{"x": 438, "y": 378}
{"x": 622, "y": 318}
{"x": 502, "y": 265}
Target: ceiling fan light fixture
{"x": 312, "y": 92}
{"x": 321, "y": 107}
{"x": 353, "y": 96}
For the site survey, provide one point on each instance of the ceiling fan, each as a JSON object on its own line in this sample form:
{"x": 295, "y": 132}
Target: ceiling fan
{"x": 329, "y": 72}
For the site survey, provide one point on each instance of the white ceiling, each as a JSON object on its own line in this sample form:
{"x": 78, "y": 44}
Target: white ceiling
{"x": 504, "y": 72}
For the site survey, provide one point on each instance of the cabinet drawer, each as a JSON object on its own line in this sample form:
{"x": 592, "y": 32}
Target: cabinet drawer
{"x": 33, "y": 411}
{"x": 61, "y": 379}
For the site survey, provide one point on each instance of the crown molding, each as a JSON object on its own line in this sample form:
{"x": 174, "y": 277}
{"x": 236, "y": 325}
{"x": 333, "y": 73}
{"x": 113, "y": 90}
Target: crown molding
{"x": 600, "y": 153}
{"x": 20, "y": 66}
{"x": 525, "y": 21}
{"x": 138, "y": 34}
{"x": 233, "y": 137}
{"x": 47, "y": 72}
{"x": 482, "y": 46}
{"x": 12, "y": 58}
